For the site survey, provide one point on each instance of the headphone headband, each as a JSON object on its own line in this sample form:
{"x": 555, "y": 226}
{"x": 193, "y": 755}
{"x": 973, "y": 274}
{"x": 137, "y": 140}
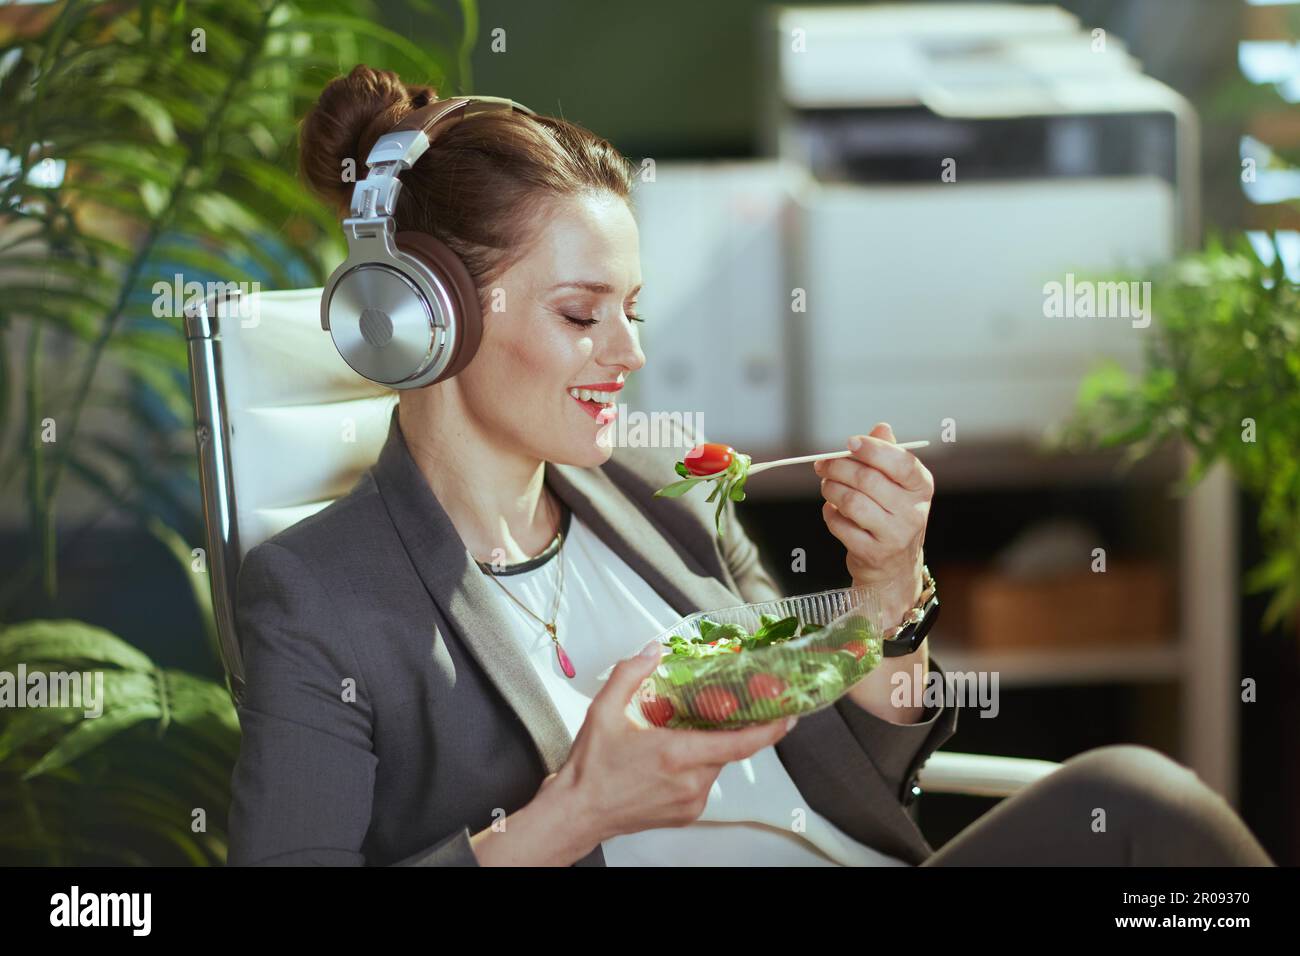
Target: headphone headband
{"x": 402, "y": 146}
{"x": 427, "y": 118}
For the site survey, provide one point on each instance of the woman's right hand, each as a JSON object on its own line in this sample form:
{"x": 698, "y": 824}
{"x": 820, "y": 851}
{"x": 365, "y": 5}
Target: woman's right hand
{"x": 622, "y": 778}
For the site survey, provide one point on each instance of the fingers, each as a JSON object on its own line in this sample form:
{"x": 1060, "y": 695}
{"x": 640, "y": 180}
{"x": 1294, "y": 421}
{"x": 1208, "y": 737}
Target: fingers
{"x": 720, "y": 747}
{"x": 846, "y": 477}
{"x": 856, "y": 539}
{"x": 898, "y": 463}
{"x": 625, "y": 680}
{"x": 889, "y": 514}
{"x": 858, "y": 510}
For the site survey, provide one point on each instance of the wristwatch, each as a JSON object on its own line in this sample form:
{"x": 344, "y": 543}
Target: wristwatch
{"x": 907, "y": 636}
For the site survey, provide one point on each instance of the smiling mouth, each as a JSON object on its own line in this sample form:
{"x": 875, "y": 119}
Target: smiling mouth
{"x": 597, "y": 398}
{"x": 599, "y": 405}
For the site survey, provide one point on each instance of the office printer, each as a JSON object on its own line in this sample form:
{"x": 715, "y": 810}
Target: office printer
{"x": 927, "y": 172}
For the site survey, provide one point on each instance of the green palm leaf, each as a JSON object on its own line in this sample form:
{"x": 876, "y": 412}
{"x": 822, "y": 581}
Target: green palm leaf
{"x": 175, "y": 161}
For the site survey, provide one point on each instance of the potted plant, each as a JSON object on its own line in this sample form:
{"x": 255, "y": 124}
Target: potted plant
{"x": 1222, "y": 373}
{"x": 141, "y": 140}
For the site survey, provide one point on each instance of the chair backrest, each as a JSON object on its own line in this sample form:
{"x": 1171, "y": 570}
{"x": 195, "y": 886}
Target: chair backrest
{"x": 282, "y": 424}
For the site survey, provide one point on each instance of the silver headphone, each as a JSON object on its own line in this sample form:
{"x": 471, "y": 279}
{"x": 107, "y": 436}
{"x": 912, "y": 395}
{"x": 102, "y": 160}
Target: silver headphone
{"x": 402, "y": 308}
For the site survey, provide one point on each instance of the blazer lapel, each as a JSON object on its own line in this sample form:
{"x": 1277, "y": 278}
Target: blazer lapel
{"x": 457, "y": 587}
{"x": 469, "y": 604}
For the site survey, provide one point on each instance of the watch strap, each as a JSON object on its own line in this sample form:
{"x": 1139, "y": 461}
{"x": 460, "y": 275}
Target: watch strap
{"x": 907, "y": 636}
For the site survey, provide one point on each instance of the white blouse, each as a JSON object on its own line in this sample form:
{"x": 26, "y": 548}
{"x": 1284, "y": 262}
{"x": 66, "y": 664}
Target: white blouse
{"x": 755, "y": 815}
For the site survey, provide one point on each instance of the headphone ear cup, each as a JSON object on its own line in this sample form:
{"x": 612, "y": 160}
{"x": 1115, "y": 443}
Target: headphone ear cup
{"x": 460, "y": 286}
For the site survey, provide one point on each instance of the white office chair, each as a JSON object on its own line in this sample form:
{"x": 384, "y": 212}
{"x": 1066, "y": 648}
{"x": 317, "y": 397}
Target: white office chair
{"x": 270, "y": 395}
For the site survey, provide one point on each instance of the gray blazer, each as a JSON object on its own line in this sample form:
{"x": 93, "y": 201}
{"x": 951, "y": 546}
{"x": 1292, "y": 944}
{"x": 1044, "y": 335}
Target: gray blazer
{"x": 388, "y": 714}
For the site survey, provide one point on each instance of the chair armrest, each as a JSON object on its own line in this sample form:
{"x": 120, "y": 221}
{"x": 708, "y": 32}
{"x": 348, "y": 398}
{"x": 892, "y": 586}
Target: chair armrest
{"x": 980, "y": 775}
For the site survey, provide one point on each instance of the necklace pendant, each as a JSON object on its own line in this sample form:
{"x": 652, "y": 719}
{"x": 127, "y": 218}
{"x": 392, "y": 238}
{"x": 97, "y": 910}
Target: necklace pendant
{"x": 565, "y": 664}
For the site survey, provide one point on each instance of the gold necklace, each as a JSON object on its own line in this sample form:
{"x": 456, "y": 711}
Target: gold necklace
{"x": 565, "y": 664}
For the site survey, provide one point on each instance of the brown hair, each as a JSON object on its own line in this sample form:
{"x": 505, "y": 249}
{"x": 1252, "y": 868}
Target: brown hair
{"x": 480, "y": 188}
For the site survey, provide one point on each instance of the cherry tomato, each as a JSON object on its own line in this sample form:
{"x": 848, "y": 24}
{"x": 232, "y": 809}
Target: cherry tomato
{"x": 715, "y": 703}
{"x": 657, "y": 710}
{"x": 709, "y": 459}
{"x": 765, "y": 686}
{"x": 856, "y": 648}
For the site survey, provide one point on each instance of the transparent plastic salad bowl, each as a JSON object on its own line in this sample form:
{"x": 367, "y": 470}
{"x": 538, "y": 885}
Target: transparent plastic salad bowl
{"x": 716, "y": 683}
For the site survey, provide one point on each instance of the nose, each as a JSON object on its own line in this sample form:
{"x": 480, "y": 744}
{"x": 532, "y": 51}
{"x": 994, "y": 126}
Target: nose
{"x": 624, "y": 348}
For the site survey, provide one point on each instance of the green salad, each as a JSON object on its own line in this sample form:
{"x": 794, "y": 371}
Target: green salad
{"x": 713, "y": 638}
{"x": 725, "y": 675}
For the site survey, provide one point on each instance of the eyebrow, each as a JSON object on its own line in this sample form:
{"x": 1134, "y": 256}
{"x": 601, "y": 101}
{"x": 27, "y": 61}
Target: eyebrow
{"x": 603, "y": 288}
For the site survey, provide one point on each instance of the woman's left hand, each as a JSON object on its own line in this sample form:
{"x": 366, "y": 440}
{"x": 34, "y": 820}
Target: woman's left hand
{"x": 877, "y": 505}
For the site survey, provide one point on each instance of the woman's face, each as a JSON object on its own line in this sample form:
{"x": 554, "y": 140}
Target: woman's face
{"x": 584, "y": 266}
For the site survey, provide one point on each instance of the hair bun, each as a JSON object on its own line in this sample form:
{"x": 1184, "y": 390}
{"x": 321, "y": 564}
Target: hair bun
{"x": 347, "y": 120}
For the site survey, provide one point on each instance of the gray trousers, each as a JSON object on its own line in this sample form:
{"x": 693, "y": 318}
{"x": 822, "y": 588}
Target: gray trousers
{"x": 1156, "y": 813}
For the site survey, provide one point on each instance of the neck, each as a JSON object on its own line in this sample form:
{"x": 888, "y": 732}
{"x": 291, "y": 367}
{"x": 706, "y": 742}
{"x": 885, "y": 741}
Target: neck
{"x": 509, "y": 518}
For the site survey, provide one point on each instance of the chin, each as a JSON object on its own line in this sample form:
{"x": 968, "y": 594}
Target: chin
{"x": 596, "y": 454}
{"x": 585, "y": 452}
{"x": 603, "y": 452}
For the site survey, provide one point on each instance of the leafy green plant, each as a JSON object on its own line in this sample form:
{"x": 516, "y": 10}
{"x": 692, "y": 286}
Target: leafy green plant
{"x": 144, "y": 140}
{"x": 121, "y": 787}
{"x": 1222, "y": 373}
{"x": 140, "y": 140}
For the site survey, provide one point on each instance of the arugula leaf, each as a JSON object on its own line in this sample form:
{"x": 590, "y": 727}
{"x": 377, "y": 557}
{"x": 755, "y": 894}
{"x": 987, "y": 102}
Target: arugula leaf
{"x": 776, "y": 631}
{"x": 677, "y": 488}
{"x": 732, "y": 632}
{"x": 737, "y": 492}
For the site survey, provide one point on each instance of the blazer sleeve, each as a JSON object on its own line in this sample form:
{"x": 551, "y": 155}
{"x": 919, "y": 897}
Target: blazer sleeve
{"x": 896, "y": 750}
{"x": 899, "y": 750}
{"x": 303, "y": 785}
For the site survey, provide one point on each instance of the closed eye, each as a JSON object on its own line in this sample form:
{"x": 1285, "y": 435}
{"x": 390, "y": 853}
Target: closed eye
{"x": 588, "y": 323}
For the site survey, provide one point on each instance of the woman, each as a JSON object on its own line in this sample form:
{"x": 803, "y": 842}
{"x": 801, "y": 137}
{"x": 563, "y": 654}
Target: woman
{"x": 422, "y": 655}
